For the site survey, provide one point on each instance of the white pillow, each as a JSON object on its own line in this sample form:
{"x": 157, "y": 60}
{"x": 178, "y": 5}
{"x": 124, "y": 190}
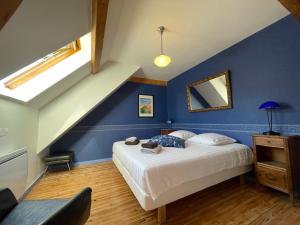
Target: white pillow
{"x": 183, "y": 134}
{"x": 211, "y": 139}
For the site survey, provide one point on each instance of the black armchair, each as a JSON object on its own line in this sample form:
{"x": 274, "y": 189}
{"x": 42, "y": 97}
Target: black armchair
{"x": 73, "y": 211}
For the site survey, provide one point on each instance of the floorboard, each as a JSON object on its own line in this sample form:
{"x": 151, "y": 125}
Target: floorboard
{"x": 113, "y": 203}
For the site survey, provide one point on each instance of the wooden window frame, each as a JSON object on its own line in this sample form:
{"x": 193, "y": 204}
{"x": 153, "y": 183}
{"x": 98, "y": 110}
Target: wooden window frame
{"x": 49, "y": 61}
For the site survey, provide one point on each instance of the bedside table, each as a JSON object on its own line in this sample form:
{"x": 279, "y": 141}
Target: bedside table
{"x": 277, "y": 163}
{"x": 166, "y": 131}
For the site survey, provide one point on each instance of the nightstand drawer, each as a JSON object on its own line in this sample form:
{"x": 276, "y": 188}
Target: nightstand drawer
{"x": 271, "y": 142}
{"x": 273, "y": 178}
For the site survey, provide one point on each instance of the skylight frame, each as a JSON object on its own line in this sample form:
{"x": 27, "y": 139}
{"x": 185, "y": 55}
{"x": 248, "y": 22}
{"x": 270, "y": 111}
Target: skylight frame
{"x": 43, "y": 64}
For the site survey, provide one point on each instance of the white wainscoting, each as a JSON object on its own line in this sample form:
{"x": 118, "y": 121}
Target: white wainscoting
{"x": 13, "y": 171}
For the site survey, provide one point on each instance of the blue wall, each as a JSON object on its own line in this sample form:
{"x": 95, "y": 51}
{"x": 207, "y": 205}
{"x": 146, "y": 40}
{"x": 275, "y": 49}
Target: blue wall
{"x": 265, "y": 66}
{"x": 113, "y": 120}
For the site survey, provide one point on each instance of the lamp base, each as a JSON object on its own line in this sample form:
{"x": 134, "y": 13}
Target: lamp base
{"x": 270, "y": 132}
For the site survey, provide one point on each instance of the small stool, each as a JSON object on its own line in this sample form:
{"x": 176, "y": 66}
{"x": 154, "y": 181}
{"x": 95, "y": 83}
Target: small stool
{"x": 59, "y": 158}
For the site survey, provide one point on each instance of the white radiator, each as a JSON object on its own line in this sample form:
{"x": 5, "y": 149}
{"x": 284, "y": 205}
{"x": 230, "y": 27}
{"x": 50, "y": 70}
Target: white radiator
{"x": 13, "y": 172}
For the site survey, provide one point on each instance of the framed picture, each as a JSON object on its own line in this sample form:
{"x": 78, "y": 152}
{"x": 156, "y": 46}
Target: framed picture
{"x": 146, "y": 106}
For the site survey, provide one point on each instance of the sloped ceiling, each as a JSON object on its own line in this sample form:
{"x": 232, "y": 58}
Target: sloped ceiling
{"x": 196, "y": 30}
{"x": 39, "y": 27}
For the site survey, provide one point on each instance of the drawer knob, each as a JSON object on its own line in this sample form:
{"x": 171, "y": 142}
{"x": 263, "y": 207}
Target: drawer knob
{"x": 269, "y": 142}
{"x": 270, "y": 176}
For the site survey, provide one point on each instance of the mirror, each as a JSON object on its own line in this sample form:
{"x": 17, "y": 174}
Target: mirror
{"x": 211, "y": 93}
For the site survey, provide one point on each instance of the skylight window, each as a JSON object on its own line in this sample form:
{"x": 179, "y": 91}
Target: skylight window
{"x": 72, "y": 59}
{"x": 27, "y": 73}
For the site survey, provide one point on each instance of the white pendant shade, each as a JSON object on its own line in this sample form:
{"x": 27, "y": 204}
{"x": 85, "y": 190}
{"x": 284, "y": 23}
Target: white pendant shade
{"x": 162, "y": 60}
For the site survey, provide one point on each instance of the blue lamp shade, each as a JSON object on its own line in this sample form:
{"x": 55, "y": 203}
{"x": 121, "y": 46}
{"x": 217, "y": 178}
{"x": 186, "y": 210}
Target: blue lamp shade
{"x": 269, "y": 105}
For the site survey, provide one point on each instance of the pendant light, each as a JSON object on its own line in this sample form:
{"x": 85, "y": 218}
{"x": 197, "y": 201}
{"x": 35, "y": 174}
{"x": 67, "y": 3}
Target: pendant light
{"x": 162, "y": 60}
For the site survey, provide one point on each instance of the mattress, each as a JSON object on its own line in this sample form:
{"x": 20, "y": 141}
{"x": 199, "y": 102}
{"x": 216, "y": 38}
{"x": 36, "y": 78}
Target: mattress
{"x": 180, "y": 191}
{"x": 156, "y": 174}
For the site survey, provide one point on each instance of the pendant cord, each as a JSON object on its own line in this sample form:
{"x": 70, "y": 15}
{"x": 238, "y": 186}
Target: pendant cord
{"x": 161, "y": 43}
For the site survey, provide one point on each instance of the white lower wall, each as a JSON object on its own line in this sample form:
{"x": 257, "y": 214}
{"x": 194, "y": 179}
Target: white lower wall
{"x": 16, "y": 166}
{"x": 19, "y": 127}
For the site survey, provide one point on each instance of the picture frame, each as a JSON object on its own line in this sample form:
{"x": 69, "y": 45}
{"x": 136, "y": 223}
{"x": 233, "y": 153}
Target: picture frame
{"x": 145, "y": 106}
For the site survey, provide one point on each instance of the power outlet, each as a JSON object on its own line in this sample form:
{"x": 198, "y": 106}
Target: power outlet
{"x": 3, "y": 132}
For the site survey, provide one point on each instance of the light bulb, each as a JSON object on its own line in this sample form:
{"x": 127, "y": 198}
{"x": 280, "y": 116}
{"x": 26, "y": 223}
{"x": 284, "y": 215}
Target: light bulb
{"x": 162, "y": 60}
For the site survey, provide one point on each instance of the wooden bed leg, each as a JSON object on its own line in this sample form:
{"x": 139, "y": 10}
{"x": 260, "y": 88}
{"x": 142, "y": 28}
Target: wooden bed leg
{"x": 242, "y": 179}
{"x": 161, "y": 215}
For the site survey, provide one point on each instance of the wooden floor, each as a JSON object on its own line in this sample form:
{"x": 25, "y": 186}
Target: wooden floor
{"x": 114, "y": 204}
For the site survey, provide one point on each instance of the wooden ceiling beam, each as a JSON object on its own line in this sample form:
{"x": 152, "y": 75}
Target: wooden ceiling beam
{"x": 142, "y": 80}
{"x": 7, "y": 9}
{"x": 99, "y": 15}
{"x": 293, "y": 6}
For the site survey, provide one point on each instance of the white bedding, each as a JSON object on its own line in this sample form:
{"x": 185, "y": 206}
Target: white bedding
{"x": 156, "y": 174}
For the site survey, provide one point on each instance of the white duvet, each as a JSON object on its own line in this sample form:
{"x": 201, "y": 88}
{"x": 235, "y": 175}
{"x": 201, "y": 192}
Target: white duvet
{"x": 157, "y": 173}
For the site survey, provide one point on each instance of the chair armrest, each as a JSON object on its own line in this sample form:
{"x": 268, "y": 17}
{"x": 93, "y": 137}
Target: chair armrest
{"x": 75, "y": 212}
{"x": 7, "y": 202}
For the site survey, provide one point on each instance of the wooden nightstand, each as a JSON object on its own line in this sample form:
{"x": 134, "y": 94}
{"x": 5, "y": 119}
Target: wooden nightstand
{"x": 277, "y": 163}
{"x": 166, "y": 131}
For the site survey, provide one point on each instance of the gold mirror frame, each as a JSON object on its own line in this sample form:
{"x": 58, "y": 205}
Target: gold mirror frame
{"x": 228, "y": 86}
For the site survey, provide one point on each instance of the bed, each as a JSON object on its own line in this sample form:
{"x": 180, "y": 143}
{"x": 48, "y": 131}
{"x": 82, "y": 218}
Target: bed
{"x": 159, "y": 179}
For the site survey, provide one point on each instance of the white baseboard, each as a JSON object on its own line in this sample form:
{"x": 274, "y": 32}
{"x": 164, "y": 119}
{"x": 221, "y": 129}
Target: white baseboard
{"x": 28, "y": 189}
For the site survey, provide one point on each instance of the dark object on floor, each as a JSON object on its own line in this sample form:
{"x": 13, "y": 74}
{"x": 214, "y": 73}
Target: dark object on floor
{"x": 132, "y": 142}
{"x": 59, "y": 158}
{"x": 149, "y": 145}
{"x": 75, "y": 211}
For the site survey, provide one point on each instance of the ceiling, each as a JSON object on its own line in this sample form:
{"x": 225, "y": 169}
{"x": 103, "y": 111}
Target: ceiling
{"x": 196, "y": 30}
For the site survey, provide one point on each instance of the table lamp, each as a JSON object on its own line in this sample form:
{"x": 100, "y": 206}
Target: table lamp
{"x": 269, "y": 106}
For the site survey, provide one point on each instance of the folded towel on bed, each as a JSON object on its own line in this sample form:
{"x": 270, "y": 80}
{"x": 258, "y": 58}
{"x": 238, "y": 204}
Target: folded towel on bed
{"x": 131, "y": 139}
{"x": 132, "y": 142}
{"x": 149, "y": 145}
{"x": 152, "y": 150}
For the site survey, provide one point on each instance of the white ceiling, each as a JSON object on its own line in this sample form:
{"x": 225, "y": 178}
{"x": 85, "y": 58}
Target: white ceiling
{"x": 196, "y": 30}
